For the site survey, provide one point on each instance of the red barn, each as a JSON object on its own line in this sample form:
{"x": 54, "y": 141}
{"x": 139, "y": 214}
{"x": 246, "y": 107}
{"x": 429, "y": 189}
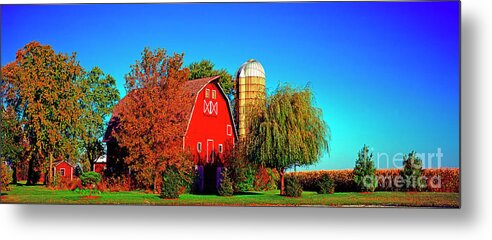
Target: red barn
{"x": 100, "y": 164}
{"x": 64, "y": 169}
{"x": 210, "y": 132}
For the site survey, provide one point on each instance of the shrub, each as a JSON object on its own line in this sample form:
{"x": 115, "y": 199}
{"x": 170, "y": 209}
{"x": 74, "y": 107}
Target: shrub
{"x": 170, "y": 183}
{"x": 241, "y": 171}
{"x": 364, "y": 171}
{"x": 225, "y": 187}
{"x": 75, "y": 184}
{"x": 115, "y": 184}
{"x": 5, "y": 177}
{"x": 90, "y": 180}
{"x": 343, "y": 179}
{"x": 412, "y": 172}
{"x": 292, "y": 187}
{"x": 60, "y": 183}
{"x": 196, "y": 181}
{"x": 266, "y": 179}
{"x": 247, "y": 181}
{"x": 56, "y": 181}
{"x": 326, "y": 185}
{"x": 185, "y": 180}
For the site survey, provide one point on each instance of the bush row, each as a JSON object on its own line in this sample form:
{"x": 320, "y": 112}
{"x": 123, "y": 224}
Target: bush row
{"x": 438, "y": 180}
{"x": 107, "y": 184}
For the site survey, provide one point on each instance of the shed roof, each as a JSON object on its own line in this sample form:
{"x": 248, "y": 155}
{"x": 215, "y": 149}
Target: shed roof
{"x": 60, "y": 162}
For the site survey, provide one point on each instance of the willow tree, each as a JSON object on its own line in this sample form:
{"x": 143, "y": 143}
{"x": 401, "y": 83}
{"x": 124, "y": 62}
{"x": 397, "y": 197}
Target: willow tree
{"x": 289, "y": 131}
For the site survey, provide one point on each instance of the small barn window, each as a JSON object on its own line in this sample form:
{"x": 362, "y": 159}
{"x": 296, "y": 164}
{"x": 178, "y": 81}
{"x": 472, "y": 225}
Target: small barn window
{"x": 229, "y": 130}
{"x": 199, "y": 147}
{"x": 214, "y": 94}
{"x": 207, "y": 93}
{"x": 62, "y": 172}
{"x": 220, "y": 148}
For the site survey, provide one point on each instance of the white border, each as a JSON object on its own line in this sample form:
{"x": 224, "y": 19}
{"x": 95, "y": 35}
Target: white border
{"x": 139, "y": 222}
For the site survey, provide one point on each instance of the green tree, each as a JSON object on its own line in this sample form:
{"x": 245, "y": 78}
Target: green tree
{"x": 90, "y": 179}
{"x": 205, "y": 68}
{"x": 241, "y": 171}
{"x": 325, "y": 185}
{"x": 412, "y": 172}
{"x": 12, "y": 139}
{"x": 99, "y": 95}
{"x": 170, "y": 183}
{"x": 42, "y": 86}
{"x": 289, "y": 132}
{"x": 293, "y": 187}
{"x": 225, "y": 187}
{"x": 365, "y": 171}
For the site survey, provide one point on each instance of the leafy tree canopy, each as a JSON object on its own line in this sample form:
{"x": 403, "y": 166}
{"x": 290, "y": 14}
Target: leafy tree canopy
{"x": 41, "y": 87}
{"x": 206, "y": 68}
{"x": 289, "y": 132}
{"x": 99, "y": 95}
{"x": 153, "y": 117}
{"x": 54, "y": 109}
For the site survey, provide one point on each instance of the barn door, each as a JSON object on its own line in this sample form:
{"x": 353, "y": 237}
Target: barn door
{"x": 210, "y": 151}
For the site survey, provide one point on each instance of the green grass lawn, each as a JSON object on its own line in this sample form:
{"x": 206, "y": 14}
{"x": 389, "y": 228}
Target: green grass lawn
{"x": 43, "y": 195}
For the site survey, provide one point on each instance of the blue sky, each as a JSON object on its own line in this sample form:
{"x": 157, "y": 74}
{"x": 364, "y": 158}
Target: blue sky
{"x": 385, "y": 74}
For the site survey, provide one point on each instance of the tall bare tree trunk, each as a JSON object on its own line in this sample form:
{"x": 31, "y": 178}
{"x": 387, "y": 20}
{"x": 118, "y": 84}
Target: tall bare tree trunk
{"x": 30, "y": 172}
{"x": 91, "y": 161}
{"x": 156, "y": 176}
{"x": 50, "y": 170}
{"x": 155, "y": 183}
{"x": 282, "y": 185}
{"x": 14, "y": 175}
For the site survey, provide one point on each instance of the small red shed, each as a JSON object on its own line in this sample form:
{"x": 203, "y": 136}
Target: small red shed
{"x": 64, "y": 169}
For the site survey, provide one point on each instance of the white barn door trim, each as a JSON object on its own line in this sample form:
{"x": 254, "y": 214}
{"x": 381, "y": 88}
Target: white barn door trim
{"x": 210, "y": 150}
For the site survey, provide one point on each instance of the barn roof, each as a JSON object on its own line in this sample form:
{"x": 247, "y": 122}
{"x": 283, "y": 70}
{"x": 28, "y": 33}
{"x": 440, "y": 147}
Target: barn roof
{"x": 58, "y": 163}
{"x": 101, "y": 159}
{"x": 193, "y": 87}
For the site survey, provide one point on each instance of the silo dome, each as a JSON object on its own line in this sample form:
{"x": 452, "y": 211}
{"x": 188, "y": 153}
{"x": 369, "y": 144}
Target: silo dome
{"x": 251, "y": 68}
{"x": 250, "y": 90}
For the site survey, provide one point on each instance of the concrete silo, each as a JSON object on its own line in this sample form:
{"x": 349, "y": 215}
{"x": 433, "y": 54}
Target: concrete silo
{"x": 250, "y": 88}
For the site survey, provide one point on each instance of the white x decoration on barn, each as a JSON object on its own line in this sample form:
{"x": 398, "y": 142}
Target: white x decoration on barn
{"x": 210, "y": 107}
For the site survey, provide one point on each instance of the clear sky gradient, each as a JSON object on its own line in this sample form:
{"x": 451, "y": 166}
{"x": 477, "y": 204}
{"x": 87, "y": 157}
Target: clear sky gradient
{"x": 385, "y": 74}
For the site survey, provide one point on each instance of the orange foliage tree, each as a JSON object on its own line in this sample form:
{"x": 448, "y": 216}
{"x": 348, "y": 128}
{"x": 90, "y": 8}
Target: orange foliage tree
{"x": 153, "y": 117}
{"x": 42, "y": 87}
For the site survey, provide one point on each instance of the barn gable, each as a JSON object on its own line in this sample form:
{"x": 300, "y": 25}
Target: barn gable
{"x": 194, "y": 87}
